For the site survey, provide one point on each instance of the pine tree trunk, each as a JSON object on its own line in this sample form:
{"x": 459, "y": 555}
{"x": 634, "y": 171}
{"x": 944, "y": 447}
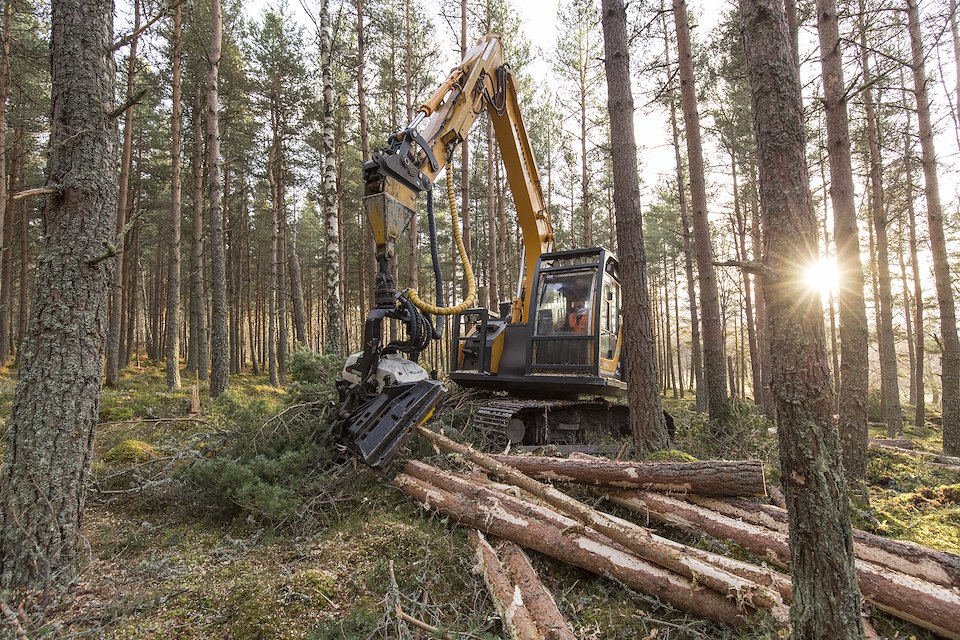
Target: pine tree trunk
{"x": 296, "y": 295}
{"x": 6, "y": 269}
{"x": 4, "y": 93}
{"x": 919, "y": 419}
{"x": 24, "y": 275}
{"x": 826, "y": 600}
{"x": 696, "y": 354}
{"x": 713, "y": 360}
{"x": 132, "y": 308}
{"x": 219, "y": 357}
{"x": 763, "y": 334}
{"x": 950, "y": 362}
{"x": 888, "y": 351}
{"x": 199, "y": 350}
{"x": 756, "y": 383}
{"x": 853, "y": 319}
{"x": 126, "y": 162}
{"x": 646, "y": 416}
{"x": 173, "y": 279}
{"x": 51, "y": 430}
{"x": 282, "y": 334}
{"x": 907, "y": 314}
{"x": 272, "y": 293}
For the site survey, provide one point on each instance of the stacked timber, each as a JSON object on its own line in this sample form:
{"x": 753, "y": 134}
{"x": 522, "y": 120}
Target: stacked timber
{"x": 906, "y": 580}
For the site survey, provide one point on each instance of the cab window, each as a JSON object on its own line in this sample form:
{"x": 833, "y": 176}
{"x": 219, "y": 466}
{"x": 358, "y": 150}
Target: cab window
{"x": 565, "y": 304}
{"x": 609, "y": 316}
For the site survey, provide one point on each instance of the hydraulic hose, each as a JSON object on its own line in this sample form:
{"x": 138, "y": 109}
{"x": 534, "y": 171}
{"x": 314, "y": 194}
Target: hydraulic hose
{"x": 471, "y": 297}
{"x": 435, "y": 259}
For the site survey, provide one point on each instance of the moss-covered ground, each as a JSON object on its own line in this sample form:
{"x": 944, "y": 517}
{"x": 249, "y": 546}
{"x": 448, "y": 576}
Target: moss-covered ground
{"x": 239, "y": 549}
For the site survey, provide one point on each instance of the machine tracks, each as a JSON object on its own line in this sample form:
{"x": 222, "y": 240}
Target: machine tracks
{"x": 560, "y": 422}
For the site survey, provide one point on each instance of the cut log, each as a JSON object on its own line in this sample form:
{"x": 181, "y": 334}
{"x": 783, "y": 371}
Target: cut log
{"x": 640, "y": 543}
{"x": 906, "y": 557}
{"x": 950, "y": 463}
{"x": 579, "y": 550}
{"x": 899, "y": 443}
{"x": 507, "y": 598}
{"x": 530, "y": 506}
{"x": 537, "y": 598}
{"x": 707, "y": 478}
{"x": 925, "y": 604}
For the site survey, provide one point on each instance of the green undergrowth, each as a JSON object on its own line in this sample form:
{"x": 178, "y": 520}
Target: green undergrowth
{"x": 245, "y": 521}
{"x": 912, "y": 500}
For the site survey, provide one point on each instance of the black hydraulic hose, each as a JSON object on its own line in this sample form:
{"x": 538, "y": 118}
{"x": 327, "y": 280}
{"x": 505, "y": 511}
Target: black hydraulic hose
{"x": 435, "y": 258}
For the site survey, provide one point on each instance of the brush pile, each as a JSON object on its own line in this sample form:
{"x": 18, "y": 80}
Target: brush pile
{"x": 503, "y": 497}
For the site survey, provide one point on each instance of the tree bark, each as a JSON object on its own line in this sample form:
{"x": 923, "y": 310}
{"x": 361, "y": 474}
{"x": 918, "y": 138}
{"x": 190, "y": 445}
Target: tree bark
{"x": 826, "y": 597}
{"x": 646, "y": 419}
{"x": 173, "y": 279}
{"x": 710, "y": 478}
{"x": 6, "y": 269}
{"x": 4, "y": 93}
{"x": 334, "y": 315}
{"x": 219, "y": 355}
{"x": 853, "y": 319}
{"x": 507, "y": 597}
{"x": 199, "y": 349}
{"x": 51, "y": 430}
{"x": 888, "y": 351}
{"x": 273, "y": 291}
{"x": 950, "y": 362}
{"x": 126, "y": 163}
{"x": 537, "y": 599}
{"x": 919, "y": 418}
{"x": 713, "y": 360}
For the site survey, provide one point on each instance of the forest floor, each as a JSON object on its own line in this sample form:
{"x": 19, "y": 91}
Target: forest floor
{"x": 213, "y": 526}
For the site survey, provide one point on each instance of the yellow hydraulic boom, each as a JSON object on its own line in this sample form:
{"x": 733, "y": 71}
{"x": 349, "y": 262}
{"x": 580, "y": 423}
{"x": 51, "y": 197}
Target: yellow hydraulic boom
{"x": 384, "y": 392}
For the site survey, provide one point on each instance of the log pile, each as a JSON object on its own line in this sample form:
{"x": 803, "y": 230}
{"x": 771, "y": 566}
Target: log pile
{"x": 906, "y": 580}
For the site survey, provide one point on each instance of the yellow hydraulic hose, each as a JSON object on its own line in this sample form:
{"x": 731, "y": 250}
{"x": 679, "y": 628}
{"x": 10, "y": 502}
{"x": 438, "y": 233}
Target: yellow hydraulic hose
{"x": 468, "y": 302}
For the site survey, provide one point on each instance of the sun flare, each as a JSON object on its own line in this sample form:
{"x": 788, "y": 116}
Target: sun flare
{"x": 823, "y": 276}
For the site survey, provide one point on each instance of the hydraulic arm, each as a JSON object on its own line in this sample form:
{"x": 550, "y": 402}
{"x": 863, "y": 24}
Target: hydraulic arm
{"x": 384, "y": 393}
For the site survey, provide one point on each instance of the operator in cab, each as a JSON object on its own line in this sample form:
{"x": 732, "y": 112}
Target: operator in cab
{"x": 578, "y": 318}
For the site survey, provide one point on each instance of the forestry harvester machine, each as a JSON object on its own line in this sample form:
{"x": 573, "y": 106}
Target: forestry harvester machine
{"x": 554, "y": 350}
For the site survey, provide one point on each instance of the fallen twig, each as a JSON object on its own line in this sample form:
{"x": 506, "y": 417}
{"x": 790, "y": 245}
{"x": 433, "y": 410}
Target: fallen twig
{"x": 420, "y": 624}
{"x": 10, "y": 616}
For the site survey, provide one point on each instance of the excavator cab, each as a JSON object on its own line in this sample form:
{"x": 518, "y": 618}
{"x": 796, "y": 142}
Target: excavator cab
{"x": 568, "y": 345}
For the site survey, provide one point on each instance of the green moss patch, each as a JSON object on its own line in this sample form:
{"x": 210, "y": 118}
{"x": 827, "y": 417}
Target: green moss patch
{"x": 131, "y": 452}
